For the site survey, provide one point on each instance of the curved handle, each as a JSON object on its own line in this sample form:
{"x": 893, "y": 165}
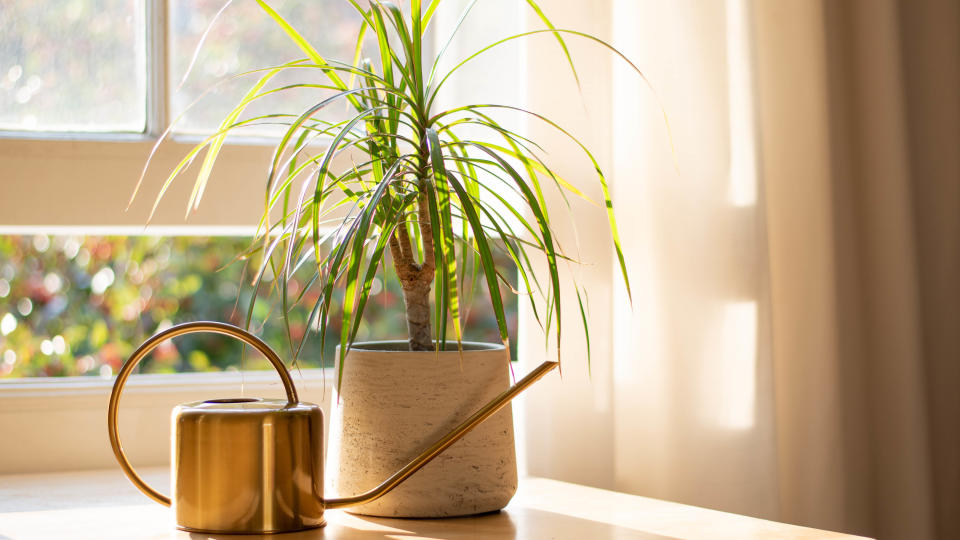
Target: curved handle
{"x": 144, "y": 350}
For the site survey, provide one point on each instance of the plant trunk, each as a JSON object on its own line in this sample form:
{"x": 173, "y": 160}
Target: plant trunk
{"x": 416, "y": 278}
{"x": 416, "y": 296}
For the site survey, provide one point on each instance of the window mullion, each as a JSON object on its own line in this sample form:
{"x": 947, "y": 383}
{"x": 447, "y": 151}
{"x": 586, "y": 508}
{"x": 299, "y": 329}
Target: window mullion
{"x": 158, "y": 102}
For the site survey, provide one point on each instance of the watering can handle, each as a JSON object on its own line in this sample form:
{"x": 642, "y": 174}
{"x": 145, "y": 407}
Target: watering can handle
{"x": 144, "y": 350}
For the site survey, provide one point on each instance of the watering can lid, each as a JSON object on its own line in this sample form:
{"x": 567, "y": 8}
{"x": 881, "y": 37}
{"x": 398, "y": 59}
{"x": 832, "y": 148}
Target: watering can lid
{"x": 245, "y": 405}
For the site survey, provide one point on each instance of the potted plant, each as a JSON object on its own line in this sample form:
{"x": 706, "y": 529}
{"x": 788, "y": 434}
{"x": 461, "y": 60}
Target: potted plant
{"x": 422, "y": 197}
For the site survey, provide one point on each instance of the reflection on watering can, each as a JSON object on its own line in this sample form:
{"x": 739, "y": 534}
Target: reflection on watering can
{"x": 256, "y": 465}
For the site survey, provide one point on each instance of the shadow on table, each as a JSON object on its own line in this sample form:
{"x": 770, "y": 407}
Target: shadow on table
{"x": 513, "y": 523}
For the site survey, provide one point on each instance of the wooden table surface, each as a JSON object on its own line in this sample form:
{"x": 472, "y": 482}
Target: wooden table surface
{"x": 104, "y": 505}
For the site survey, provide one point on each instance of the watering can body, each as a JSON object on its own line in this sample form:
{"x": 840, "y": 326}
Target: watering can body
{"x": 255, "y": 466}
{"x": 247, "y": 465}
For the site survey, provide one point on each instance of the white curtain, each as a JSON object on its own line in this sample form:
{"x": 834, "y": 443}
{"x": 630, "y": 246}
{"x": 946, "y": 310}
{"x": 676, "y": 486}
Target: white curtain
{"x": 793, "y": 347}
{"x": 692, "y": 357}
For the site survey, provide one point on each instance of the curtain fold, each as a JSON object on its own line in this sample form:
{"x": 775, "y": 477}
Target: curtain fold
{"x": 930, "y": 59}
{"x": 877, "y": 455}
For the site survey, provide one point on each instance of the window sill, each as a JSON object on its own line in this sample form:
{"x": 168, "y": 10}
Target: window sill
{"x": 16, "y": 389}
{"x": 58, "y": 425}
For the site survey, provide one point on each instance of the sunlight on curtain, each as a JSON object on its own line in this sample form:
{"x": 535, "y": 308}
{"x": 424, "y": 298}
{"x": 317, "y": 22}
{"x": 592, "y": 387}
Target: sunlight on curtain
{"x": 692, "y": 371}
{"x": 729, "y": 380}
{"x": 743, "y": 139}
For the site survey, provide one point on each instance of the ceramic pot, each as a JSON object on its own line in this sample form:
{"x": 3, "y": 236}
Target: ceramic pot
{"x": 393, "y": 403}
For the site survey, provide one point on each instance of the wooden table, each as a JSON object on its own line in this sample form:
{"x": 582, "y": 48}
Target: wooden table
{"x": 104, "y": 505}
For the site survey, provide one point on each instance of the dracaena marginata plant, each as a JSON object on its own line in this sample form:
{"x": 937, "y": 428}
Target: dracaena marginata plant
{"x": 422, "y": 189}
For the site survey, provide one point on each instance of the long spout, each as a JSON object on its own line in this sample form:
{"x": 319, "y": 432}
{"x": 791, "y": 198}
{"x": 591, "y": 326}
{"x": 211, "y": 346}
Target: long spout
{"x": 438, "y": 447}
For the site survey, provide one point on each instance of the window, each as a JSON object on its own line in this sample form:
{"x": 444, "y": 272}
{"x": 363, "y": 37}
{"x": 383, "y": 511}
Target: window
{"x": 48, "y": 54}
{"x": 71, "y": 150}
{"x": 64, "y": 314}
{"x": 85, "y": 89}
{"x": 79, "y": 114}
{"x": 230, "y": 47}
{"x": 81, "y": 66}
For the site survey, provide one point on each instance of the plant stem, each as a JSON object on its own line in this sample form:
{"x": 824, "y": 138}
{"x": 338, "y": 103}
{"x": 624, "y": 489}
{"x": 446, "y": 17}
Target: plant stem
{"x": 416, "y": 278}
{"x": 416, "y": 296}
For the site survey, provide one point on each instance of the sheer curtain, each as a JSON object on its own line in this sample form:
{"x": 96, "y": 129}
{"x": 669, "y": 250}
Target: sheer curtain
{"x": 793, "y": 347}
{"x": 693, "y": 354}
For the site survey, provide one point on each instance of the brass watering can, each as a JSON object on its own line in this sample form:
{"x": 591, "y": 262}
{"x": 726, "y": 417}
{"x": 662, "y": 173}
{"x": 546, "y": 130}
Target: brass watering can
{"x": 250, "y": 465}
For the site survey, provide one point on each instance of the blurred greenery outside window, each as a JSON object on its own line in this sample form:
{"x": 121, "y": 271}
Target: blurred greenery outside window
{"x": 73, "y": 305}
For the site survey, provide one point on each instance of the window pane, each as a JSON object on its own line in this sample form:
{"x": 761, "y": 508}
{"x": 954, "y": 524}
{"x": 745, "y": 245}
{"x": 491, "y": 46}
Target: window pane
{"x": 72, "y": 305}
{"x": 72, "y": 65}
{"x": 242, "y": 38}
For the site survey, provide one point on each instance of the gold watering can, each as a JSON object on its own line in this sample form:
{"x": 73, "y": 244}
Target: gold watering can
{"x": 256, "y": 465}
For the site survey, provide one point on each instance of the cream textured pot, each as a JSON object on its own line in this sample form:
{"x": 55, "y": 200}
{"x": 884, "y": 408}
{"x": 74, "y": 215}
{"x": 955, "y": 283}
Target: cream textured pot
{"x": 393, "y": 403}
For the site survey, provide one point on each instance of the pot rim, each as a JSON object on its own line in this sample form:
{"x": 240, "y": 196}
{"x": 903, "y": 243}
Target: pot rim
{"x": 399, "y": 346}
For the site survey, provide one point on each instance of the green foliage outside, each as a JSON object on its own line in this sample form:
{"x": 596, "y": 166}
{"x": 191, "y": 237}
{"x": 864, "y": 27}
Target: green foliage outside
{"x": 80, "y": 305}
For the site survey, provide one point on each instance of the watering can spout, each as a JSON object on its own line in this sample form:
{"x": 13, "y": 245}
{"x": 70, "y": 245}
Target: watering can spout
{"x": 255, "y": 465}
